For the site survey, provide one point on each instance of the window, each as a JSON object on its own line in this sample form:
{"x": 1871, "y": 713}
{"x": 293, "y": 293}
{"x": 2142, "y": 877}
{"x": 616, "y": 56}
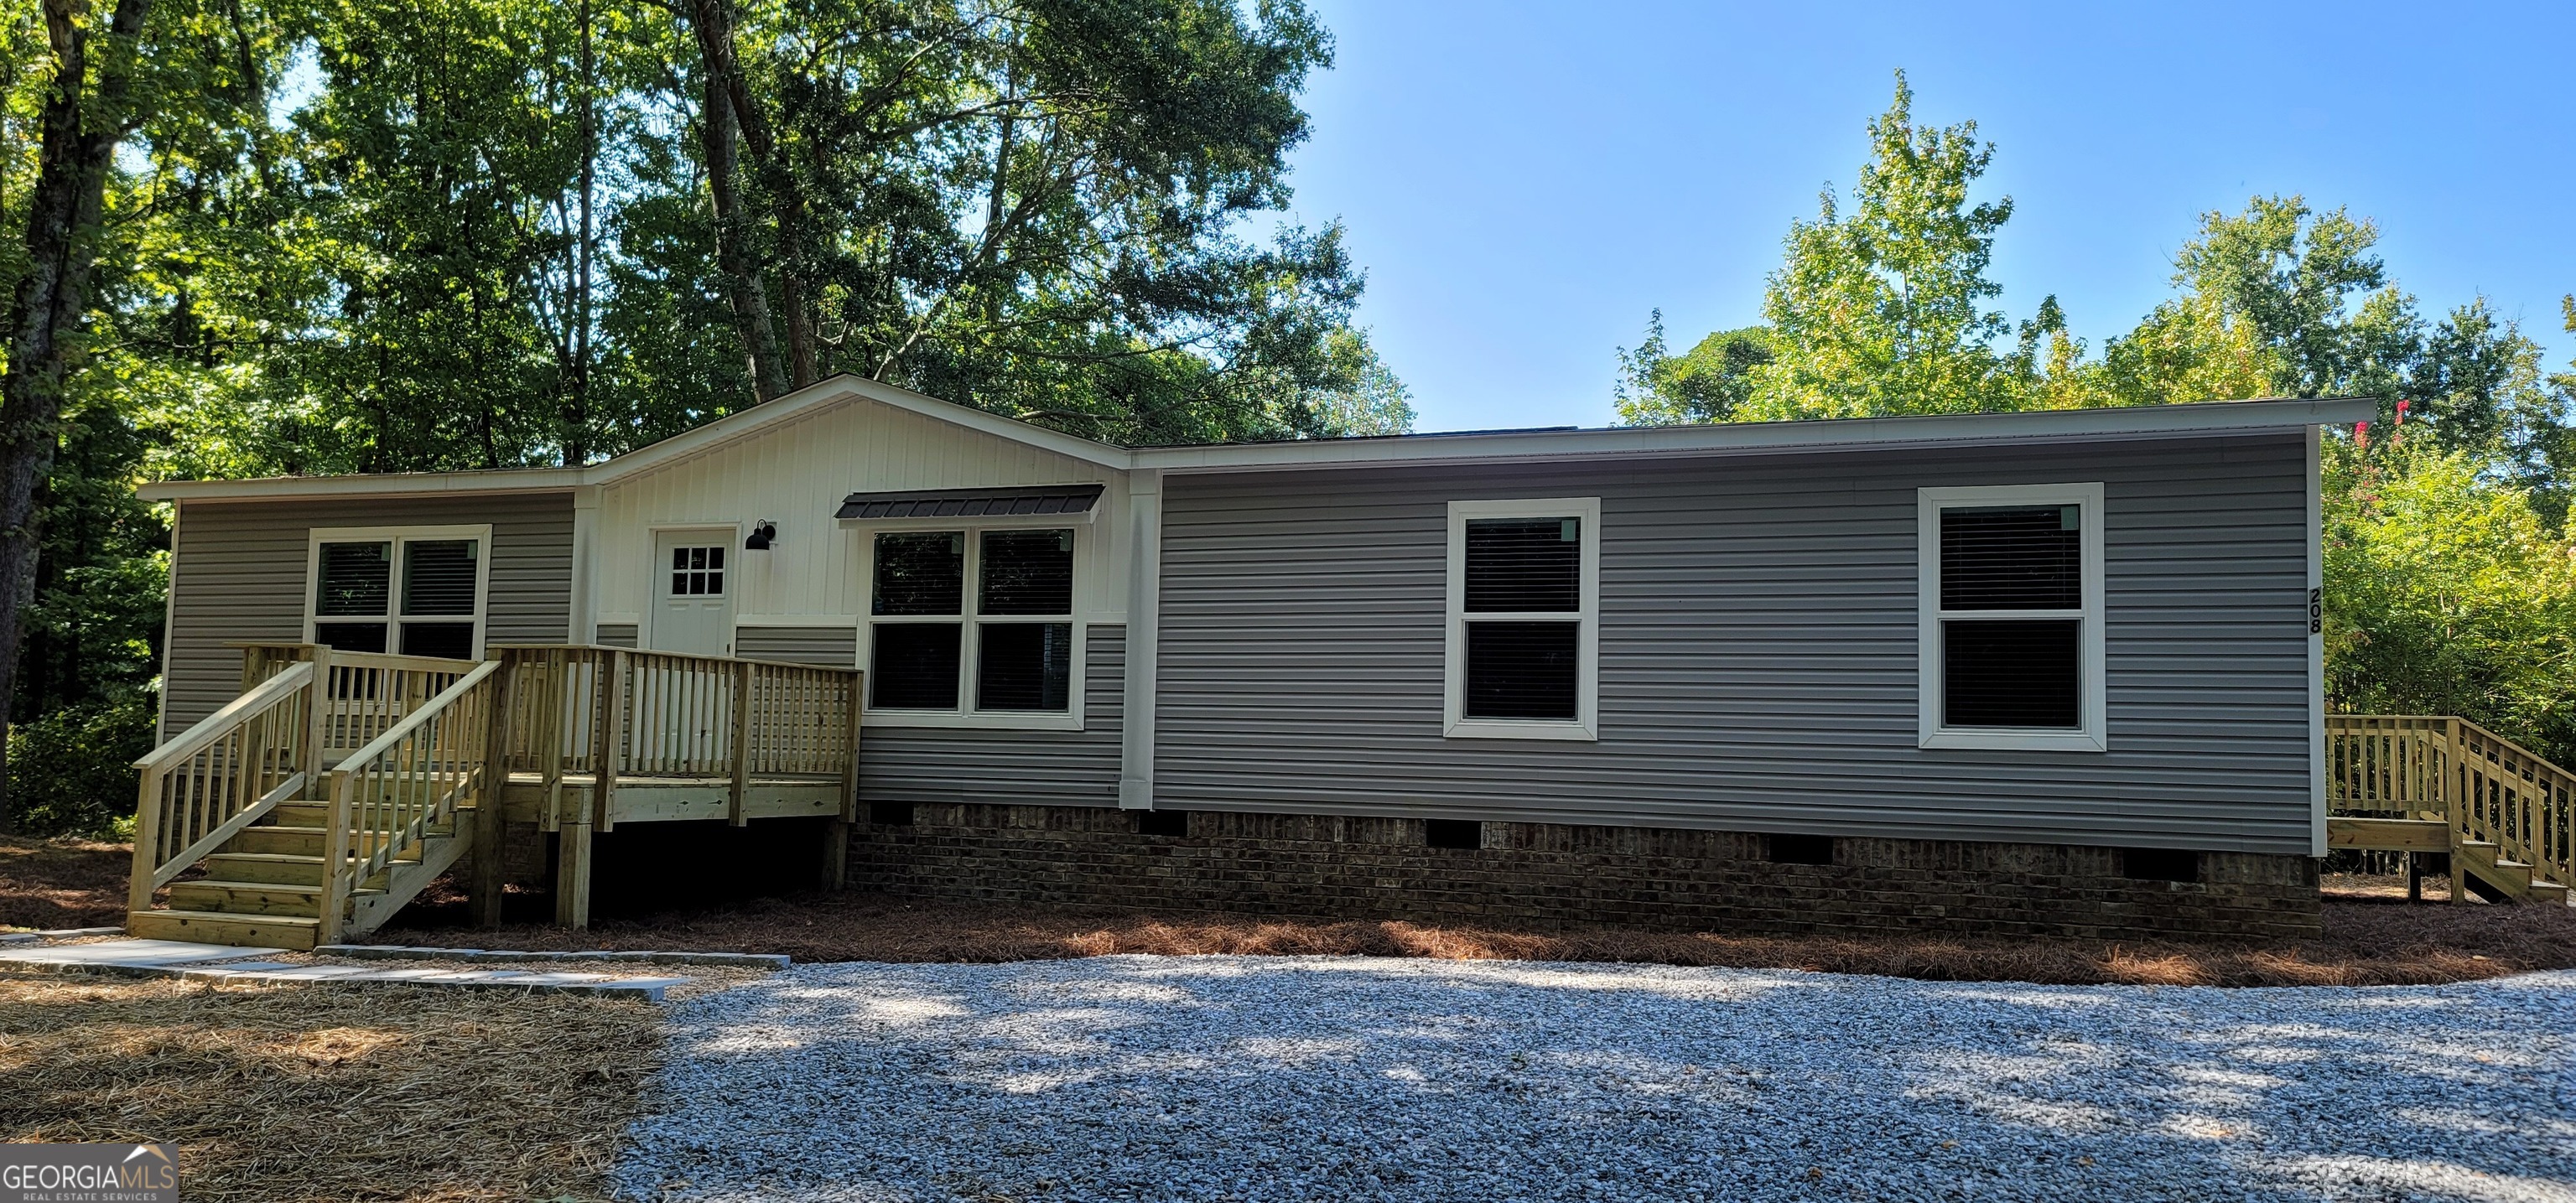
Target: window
{"x": 1524, "y": 600}
{"x": 2011, "y": 631}
{"x": 697, "y": 571}
{"x": 416, "y": 591}
{"x": 1003, "y": 647}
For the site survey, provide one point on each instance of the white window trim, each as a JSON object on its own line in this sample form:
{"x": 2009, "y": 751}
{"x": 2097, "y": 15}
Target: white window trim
{"x": 317, "y": 536}
{"x": 966, "y": 716}
{"x": 1586, "y": 724}
{"x": 2090, "y": 736}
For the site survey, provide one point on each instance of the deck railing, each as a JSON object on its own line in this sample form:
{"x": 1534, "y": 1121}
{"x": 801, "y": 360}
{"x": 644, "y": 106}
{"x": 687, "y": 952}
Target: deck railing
{"x": 410, "y": 781}
{"x": 2439, "y": 767}
{"x": 220, "y": 776}
{"x": 667, "y": 715}
{"x": 365, "y": 693}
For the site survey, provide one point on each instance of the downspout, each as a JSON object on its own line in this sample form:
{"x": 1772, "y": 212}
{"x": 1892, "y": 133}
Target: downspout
{"x": 581, "y": 620}
{"x": 1144, "y": 625}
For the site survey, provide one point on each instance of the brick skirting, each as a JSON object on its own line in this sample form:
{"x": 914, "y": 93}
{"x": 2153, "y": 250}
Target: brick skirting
{"x": 1559, "y": 874}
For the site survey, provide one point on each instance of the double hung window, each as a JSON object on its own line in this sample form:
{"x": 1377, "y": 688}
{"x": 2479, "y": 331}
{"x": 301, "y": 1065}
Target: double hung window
{"x": 2011, "y": 630}
{"x": 1524, "y": 600}
{"x": 972, "y": 622}
{"x": 417, "y": 591}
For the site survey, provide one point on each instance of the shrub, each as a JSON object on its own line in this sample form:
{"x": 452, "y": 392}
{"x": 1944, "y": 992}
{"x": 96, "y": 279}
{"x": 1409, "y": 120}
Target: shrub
{"x": 71, "y": 770}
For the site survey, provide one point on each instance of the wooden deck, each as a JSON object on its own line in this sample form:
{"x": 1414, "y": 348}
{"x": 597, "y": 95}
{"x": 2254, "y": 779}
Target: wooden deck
{"x": 339, "y": 784}
{"x": 2439, "y": 784}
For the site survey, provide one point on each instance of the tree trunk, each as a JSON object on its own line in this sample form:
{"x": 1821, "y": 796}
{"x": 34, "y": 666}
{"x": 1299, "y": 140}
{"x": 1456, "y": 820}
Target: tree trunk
{"x": 576, "y": 417}
{"x": 81, "y": 124}
{"x": 749, "y": 294}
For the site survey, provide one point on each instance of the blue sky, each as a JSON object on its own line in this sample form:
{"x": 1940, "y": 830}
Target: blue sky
{"x": 1525, "y": 181}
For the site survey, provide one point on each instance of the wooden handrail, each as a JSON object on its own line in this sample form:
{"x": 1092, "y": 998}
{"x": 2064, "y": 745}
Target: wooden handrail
{"x": 215, "y": 726}
{"x": 218, "y": 777}
{"x": 424, "y": 788}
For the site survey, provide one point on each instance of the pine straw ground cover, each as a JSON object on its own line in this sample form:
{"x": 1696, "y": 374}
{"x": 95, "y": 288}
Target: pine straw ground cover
{"x": 2372, "y": 937}
{"x": 62, "y": 883}
{"x": 325, "y": 1093}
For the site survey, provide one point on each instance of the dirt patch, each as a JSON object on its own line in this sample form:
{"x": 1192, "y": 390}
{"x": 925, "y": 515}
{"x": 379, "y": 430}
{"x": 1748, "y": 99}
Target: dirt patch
{"x": 62, "y": 883}
{"x": 316, "y": 1093}
{"x": 2371, "y": 938}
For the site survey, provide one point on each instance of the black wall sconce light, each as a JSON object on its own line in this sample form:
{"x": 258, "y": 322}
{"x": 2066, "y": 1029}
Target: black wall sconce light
{"x": 763, "y": 534}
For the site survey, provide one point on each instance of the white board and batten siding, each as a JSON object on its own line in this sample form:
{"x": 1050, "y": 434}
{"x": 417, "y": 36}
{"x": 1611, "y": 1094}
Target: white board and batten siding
{"x": 802, "y": 600}
{"x": 796, "y": 475}
{"x": 1758, "y": 629}
{"x": 239, "y": 575}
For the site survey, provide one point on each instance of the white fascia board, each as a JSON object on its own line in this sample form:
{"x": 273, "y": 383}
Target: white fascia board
{"x": 826, "y": 393}
{"x": 731, "y": 428}
{"x": 407, "y": 484}
{"x": 2158, "y": 421}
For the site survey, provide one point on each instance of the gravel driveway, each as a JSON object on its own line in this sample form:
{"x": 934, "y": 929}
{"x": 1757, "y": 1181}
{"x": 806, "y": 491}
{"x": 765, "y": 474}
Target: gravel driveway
{"x": 1328, "y": 1078}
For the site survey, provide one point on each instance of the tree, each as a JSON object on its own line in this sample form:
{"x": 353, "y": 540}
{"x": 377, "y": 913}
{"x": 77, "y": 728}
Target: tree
{"x": 1705, "y": 385}
{"x": 88, "y": 109}
{"x": 1881, "y": 311}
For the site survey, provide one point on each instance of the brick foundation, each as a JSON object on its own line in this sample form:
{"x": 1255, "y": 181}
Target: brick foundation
{"x": 1559, "y": 874}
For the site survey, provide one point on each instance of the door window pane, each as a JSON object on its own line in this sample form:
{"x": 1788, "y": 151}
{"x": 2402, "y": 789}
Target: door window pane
{"x": 914, "y": 666}
{"x": 454, "y": 640}
{"x": 1024, "y": 666}
{"x": 2010, "y": 672}
{"x": 1027, "y": 572}
{"x": 1522, "y": 670}
{"x": 698, "y": 571}
{"x": 438, "y": 576}
{"x": 1524, "y": 565}
{"x": 921, "y": 573}
{"x": 357, "y": 579}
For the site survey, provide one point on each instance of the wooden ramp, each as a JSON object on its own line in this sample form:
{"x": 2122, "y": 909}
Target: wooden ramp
{"x": 339, "y": 785}
{"x": 2439, "y": 784}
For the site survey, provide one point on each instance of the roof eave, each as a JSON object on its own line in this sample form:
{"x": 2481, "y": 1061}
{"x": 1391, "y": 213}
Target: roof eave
{"x": 2163, "y": 421}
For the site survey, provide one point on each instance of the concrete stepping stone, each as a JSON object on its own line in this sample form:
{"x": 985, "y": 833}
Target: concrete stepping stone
{"x": 132, "y": 954}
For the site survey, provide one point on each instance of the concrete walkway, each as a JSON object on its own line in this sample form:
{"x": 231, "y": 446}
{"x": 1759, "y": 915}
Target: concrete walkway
{"x": 225, "y": 963}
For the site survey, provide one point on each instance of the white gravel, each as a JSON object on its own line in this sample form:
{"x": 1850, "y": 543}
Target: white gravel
{"x": 1332, "y": 1078}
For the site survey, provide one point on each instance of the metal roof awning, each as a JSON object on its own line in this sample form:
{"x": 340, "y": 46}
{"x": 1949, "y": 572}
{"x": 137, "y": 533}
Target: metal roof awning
{"x": 971, "y": 503}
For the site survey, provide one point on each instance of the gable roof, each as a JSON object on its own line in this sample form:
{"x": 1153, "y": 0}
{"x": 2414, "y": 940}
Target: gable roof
{"x": 2155, "y": 421}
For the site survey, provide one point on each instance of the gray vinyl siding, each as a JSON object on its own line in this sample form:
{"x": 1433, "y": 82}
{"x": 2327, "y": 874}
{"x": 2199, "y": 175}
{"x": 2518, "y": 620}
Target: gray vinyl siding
{"x": 1757, "y": 650}
{"x": 238, "y": 575}
{"x": 1033, "y": 768}
{"x": 616, "y": 634}
{"x": 832, "y": 647}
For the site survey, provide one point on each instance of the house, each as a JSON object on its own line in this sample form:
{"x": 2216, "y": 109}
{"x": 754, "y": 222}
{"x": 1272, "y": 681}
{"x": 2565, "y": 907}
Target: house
{"x": 2002, "y": 672}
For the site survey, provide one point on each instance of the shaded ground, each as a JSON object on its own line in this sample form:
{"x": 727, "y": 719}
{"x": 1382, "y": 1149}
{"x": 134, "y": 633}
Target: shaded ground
{"x": 316, "y": 1093}
{"x": 62, "y": 883}
{"x": 2373, "y": 936}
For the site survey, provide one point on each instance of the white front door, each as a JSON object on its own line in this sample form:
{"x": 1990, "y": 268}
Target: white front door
{"x": 693, "y": 585}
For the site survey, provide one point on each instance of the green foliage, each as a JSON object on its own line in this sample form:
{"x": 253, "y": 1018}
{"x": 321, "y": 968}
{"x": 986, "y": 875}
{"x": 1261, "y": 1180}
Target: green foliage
{"x": 1881, "y": 310}
{"x": 2450, "y": 573}
{"x": 73, "y": 766}
{"x": 2448, "y": 594}
{"x": 1705, "y": 385}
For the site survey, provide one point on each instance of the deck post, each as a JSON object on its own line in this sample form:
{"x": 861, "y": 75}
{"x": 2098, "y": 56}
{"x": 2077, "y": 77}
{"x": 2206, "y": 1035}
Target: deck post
{"x": 487, "y": 800}
{"x": 317, "y": 718}
{"x": 572, "y": 847}
{"x": 2453, "y": 781}
{"x": 836, "y": 858}
{"x": 741, "y": 745}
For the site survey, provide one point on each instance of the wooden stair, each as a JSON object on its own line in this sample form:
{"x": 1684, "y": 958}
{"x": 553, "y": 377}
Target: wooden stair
{"x": 264, "y": 887}
{"x": 2481, "y": 868}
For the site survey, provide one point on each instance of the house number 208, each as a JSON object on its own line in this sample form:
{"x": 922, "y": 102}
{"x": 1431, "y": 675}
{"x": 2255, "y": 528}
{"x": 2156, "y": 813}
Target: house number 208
{"x": 2316, "y": 611}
